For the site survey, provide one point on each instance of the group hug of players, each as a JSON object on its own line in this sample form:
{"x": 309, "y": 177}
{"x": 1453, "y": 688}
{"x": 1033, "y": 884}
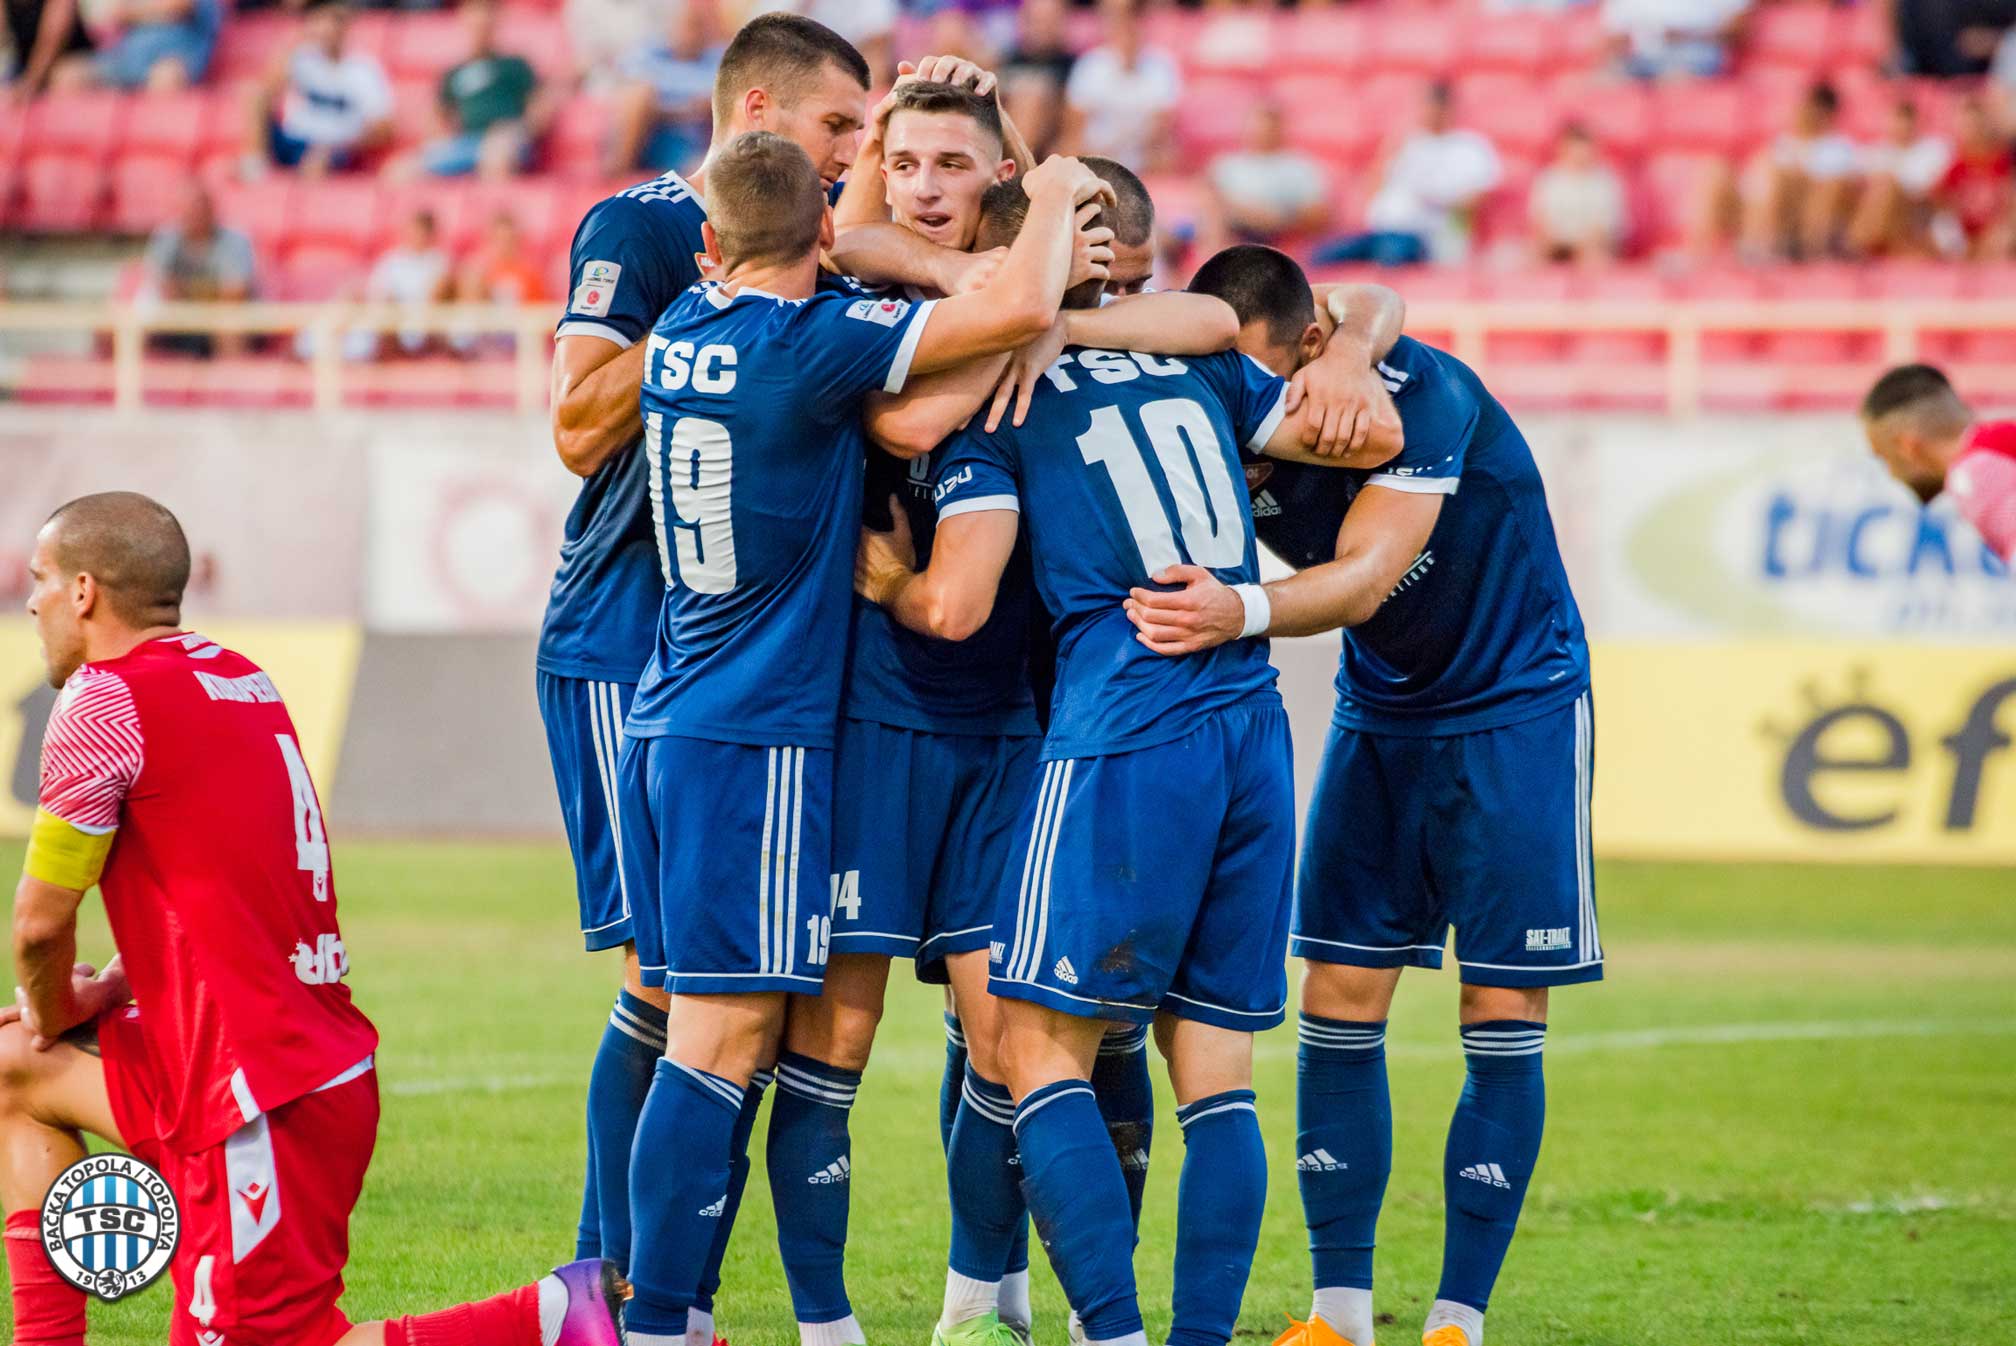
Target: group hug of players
{"x": 794, "y": 743}
{"x": 910, "y": 608}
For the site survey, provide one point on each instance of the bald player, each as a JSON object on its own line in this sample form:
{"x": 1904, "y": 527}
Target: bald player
{"x": 173, "y": 781}
{"x": 1930, "y": 440}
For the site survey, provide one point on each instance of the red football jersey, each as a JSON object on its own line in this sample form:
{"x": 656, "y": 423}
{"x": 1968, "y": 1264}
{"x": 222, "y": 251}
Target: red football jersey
{"x": 217, "y": 884}
{"x": 1982, "y": 481}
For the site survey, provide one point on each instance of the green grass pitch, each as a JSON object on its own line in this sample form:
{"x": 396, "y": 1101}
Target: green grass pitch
{"x": 1789, "y": 1115}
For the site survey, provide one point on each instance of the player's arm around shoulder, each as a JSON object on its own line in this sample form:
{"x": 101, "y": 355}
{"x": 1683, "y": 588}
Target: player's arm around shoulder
{"x": 1344, "y": 414}
{"x": 598, "y": 352}
{"x": 1382, "y": 536}
{"x": 932, "y": 408}
{"x": 594, "y": 399}
{"x": 953, "y": 596}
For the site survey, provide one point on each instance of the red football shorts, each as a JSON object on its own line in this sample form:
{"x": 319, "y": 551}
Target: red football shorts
{"x": 265, "y": 1215}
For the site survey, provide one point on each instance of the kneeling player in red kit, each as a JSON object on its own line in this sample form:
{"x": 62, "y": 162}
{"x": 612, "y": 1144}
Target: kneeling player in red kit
{"x": 222, "y": 1046}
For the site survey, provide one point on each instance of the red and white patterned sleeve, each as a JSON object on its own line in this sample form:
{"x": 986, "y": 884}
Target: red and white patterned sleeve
{"x": 1983, "y": 485}
{"x": 92, "y": 751}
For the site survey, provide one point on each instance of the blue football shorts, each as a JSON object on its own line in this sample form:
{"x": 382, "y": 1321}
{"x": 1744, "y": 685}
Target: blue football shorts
{"x": 584, "y": 730}
{"x": 1487, "y": 831}
{"x": 1159, "y": 879}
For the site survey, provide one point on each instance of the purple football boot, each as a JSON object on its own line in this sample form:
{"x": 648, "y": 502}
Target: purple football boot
{"x": 595, "y": 1295}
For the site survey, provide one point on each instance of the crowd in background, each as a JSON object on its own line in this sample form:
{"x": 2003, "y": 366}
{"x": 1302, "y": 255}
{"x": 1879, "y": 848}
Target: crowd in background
{"x": 327, "y": 107}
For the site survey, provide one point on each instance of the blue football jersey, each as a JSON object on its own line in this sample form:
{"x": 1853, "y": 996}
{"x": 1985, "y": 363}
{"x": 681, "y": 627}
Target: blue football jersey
{"x": 1483, "y": 630}
{"x": 895, "y": 676}
{"x": 752, "y": 434}
{"x": 1126, "y": 464}
{"x": 632, "y": 256}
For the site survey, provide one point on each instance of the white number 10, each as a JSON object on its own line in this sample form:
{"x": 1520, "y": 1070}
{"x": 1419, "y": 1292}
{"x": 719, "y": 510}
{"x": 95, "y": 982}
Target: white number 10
{"x": 1210, "y": 516}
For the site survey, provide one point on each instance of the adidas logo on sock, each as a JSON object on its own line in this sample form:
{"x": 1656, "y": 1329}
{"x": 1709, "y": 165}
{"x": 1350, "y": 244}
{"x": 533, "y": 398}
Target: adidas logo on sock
{"x": 1320, "y": 1161}
{"x": 1137, "y": 1161}
{"x": 718, "y": 1209}
{"x": 1489, "y": 1174}
{"x": 834, "y": 1172}
{"x": 1065, "y": 973}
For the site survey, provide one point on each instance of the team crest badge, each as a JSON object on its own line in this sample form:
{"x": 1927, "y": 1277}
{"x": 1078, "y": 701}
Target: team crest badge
{"x": 110, "y": 1225}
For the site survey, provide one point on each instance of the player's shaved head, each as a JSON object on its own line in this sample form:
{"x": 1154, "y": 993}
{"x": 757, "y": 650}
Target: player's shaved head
{"x": 765, "y": 202}
{"x": 131, "y": 546}
{"x": 784, "y": 53}
{"x": 1003, "y": 210}
{"x": 1263, "y": 286}
{"x": 935, "y": 99}
{"x": 1919, "y": 393}
{"x": 1131, "y": 217}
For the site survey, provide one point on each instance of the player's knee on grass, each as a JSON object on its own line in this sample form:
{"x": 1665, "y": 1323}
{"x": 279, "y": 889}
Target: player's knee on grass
{"x": 838, "y": 1025}
{"x": 1354, "y": 994}
{"x": 1482, "y": 1004}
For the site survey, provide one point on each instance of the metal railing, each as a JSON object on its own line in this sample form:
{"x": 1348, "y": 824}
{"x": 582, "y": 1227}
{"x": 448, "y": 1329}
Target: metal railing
{"x": 1681, "y": 324}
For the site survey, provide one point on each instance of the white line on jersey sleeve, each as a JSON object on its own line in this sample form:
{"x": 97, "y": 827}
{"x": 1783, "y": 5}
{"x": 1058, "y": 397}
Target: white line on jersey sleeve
{"x": 594, "y": 329}
{"x": 1414, "y": 485}
{"x": 899, "y": 368}
{"x": 1271, "y": 424}
{"x": 978, "y": 504}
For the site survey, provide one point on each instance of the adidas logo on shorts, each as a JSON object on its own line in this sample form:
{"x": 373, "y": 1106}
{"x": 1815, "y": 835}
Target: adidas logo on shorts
{"x": 1064, "y": 972}
{"x": 835, "y": 1172}
{"x": 1320, "y": 1161}
{"x": 718, "y": 1209}
{"x": 996, "y": 951}
{"x": 1489, "y": 1174}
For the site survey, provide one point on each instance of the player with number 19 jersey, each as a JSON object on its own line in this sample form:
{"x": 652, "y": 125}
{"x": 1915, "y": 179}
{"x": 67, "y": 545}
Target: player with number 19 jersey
{"x": 1158, "y": 840}
{"x": 752, "y": 432}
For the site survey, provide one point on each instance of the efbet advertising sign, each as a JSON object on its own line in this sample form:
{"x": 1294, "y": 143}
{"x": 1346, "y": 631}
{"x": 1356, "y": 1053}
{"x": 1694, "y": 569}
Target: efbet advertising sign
{"x": 1807, "y": 751}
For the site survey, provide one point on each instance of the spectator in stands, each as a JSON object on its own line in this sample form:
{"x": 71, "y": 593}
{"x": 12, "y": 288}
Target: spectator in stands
{"x": 1036, "y": 71}
{"x": 1793, "y": 200}
{"x": 499, "y": 271}
{"x": 491, "y": 107}
{"x": 193, "y": 257}
{"x": 663, "y": 117}
{"x": 1576, "y": 208}
{"x": 603, "y": 34}
{"x": 1665, "y": 39}
{"x": 1265, "y": 191}
{"x": 162, "y": 46}
{"x": 1899, "y": 174}
{"x": 324, "y": 108}
{"x": 1948, "y": 38}
{"x": 413, "y": 271}
{"x": 42, "y": 34}
{"x": 1973, "y": 200}
{"x": 1429, "y": 191}
{"x": 1122, "y": 97}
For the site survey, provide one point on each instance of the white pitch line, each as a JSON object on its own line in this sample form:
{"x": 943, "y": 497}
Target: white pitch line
{"x": 1281, "y": 1048}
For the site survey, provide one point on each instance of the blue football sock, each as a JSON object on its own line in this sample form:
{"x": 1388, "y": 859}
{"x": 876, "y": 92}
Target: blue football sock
{"x": 632, "y": 1044}
{"x": 1126, "y": 1096}
{"x": 1343, "y": 1150}
{"x": 678, "y": 1193}
{"x": 588, "y": 1230}
{"x": 1078, "y": 1202}
{"x": 954, "y": 1079}
{"x": 984, "y": 1181}
{"x": 738, "y": 1181}
{"x": 1494, "y": 1141}
{"x": 810, "y": 1158}
{"x": 1219, "y": 1201}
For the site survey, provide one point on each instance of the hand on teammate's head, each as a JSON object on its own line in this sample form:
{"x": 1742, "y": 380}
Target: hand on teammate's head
{"x": 955, "y": 70}
{"x": 1062, "y": 173}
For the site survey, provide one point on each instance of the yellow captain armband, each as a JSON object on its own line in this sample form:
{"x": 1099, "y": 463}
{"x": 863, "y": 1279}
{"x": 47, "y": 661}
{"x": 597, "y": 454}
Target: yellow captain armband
{"x": 64, "y": 854}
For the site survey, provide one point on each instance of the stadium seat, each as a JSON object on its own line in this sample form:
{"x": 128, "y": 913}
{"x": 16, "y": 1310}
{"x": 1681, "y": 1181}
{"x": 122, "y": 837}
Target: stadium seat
{"x": 1618, "y": 115}
{"x": 145, "y": 191}
{"x": 169, "y": 126}
{"x": 262, "y": 209}
{"x": 1520, "y": 43}
{"x": 1800, "y": 36}
{"x": 60, "y": 194}
{"x": 347, "y": 212}
{"x": 77, "y": 125}
{"x": 250, "y": 44}
{"x": 313, "y": 272}
{"x": 540, "y": 36}
{"x": 1701, "y": 116}
{"x": 574, "y": 146}
{"x": 1240, "y": 41}
{"x": 1829, "y": 346}
{"x": 1212, "y": 117}
{"x": 1411, "y": 43}
{"x": 423, "y": 45}
{"x": 414, "y": 119}
{"x": 1326, "y": 42}
{"x": 1517, "y": 111}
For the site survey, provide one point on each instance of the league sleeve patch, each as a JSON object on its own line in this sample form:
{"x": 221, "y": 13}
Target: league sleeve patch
{"x": 881, "y": 312}
{"x": 597, "y": 289}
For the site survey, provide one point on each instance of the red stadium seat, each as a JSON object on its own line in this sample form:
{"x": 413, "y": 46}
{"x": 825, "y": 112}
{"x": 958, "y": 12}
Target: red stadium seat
{"x": 1866, "y": 37}
{"x": 1326, "y": 42}
{"x": 145, "y": 190}
{"x": 262, "y": 209}
{"x": 414, "y": 120}
{"x": 581, "y": 130}
{"x": 346, "y": 212}
{"x": 1800, "y": 36}
{"x": 1412, "y": 41}
{"x": 1232, "y": 41}
{"x": 540, "y": 36}
{"x": 1213, "y": 114}
{"x": 1664, "y": 195}
{"x": 422, "y": 46}
{"x": 371, "y": 33}
{"x": 169, "y": 126}
{"x": 1518, "y": 113}
{"x": 319, "y": 271}
{"x": 1919, "y": 281}
{"x": 1326, "y": 118}
{"x": 1618, "y": 115}
{"x": 60, "y": 194}
{"x": 249, "y": 45}
{"x": 78, "y": 125}
{"x": 1521, "y": 43}
{"x": 1701, "y": 116}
